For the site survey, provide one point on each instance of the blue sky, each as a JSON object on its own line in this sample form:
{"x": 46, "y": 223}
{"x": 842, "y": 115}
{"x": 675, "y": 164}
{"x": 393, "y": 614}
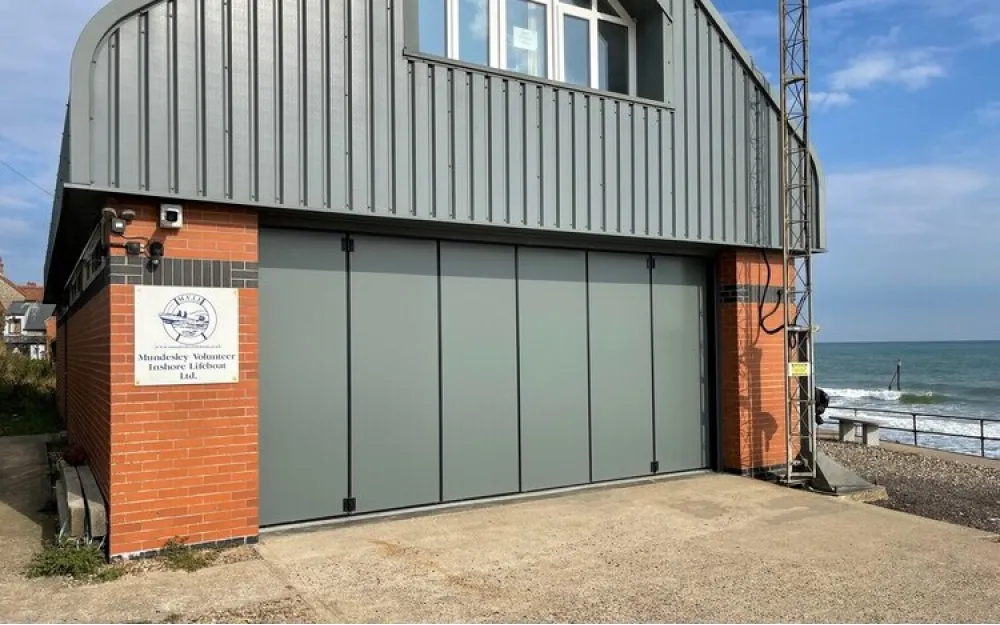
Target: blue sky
{"x": 906, "y": 117}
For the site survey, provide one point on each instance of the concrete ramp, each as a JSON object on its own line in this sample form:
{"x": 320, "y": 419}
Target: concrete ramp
{"x": 836, "y": 479}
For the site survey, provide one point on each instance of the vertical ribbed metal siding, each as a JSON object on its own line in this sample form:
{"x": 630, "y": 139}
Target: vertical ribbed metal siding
{"x": 309, "y": 104}
{"x": 496, "y": 149}
{"x": 728, "y": 195}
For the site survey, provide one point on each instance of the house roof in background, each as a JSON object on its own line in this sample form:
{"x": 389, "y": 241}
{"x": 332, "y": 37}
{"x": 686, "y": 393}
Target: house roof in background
{"x": 34, "y": 313}
{"x": 29, "y": 292}
{"x": 32, "y": 292}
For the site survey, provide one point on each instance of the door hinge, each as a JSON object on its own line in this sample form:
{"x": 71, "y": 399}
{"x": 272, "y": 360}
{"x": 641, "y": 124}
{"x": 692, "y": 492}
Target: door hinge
{"x": 350, "y": 504}
{"x": 654, "y": 466}
{"x": 347, "y": 244}
{"x": 650, "y": 262}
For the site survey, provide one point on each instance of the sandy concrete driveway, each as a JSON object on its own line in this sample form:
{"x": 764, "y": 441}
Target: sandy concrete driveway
{"x": 711, "y": 548}
{"x": 703, "y": 549}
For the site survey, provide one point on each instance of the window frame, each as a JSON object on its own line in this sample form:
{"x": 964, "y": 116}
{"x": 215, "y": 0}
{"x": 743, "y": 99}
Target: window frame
{"x": 555, "y": 11}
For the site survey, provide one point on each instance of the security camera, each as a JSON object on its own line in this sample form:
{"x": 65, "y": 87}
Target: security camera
{"x": 171, "y": 216}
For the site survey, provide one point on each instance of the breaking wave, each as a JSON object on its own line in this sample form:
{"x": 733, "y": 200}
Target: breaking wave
{"x": 855, "y": 394}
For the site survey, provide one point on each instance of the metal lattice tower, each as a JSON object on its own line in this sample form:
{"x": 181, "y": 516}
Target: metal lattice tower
{"x": 796, "y": 180}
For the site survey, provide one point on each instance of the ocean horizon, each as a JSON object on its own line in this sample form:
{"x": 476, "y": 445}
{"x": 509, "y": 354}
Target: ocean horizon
{"x": 938, "y": 379}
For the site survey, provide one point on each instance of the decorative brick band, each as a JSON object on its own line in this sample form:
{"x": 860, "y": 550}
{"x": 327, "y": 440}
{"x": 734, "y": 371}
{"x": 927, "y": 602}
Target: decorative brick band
{"x": 749, "y": 294}
{"x": 139, "y": 270}
{"x": 215, "y": 544}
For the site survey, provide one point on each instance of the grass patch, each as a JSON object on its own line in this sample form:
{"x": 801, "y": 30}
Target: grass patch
{"x": 27, "y": 396}
{"x": 109, "y": 573}
{"x": 180, "y": 556}
{"x": 66, "y": 558}
{"x": 77, "y": 560}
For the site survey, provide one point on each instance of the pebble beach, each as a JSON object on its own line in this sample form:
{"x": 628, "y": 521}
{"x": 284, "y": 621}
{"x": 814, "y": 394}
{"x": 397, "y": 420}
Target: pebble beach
{"x": 955, "y": 491}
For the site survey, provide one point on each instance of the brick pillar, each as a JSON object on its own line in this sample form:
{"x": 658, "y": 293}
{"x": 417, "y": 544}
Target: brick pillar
{"x": 751, "y": 362}
{"x": 184, "y": 457}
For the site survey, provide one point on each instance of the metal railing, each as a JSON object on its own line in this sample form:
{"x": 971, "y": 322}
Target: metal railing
{"x": 915, "y": 432}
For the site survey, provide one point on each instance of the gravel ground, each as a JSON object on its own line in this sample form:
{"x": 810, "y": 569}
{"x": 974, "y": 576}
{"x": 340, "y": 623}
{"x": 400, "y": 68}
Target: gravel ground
{"x": 219, "y": 557}
{"x": 289, "y": 610}
{"x": 946, "y": 490}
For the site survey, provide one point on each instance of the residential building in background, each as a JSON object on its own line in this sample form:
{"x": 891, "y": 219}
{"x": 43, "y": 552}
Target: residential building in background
{"x": 29, "y": 328}
{"x": 11, "y": 292}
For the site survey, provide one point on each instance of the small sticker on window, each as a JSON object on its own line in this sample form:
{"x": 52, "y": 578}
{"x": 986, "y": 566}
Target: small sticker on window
{"x": 525, "y": 39}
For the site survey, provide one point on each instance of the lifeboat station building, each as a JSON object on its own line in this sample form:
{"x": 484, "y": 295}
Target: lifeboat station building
{"x": 315, "y": 260}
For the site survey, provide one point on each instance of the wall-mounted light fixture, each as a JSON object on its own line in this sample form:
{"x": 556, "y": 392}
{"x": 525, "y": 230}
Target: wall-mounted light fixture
{"x": 155, "y": 253}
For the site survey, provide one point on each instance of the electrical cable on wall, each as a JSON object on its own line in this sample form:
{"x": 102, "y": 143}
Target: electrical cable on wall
{"x": 760, "y": 304}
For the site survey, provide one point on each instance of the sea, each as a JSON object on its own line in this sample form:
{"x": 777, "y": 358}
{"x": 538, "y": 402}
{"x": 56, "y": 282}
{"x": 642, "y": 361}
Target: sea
{"x": 946, "y": 387}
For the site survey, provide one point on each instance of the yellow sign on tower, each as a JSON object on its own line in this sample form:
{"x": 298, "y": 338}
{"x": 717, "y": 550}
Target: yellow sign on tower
{"x": 798, "y": 369}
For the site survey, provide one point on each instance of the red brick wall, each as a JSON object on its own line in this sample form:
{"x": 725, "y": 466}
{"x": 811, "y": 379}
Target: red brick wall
{"x": 751, "y": 366}
{"x": 50, "y": 335}
{"x": 60, "y": 366}
{"x": 86, "y": 383}
{"x": 184, "y": 458}
{"x": 209, "y": 232}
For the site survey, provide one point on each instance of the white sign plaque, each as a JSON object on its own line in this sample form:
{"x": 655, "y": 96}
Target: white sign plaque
{"x": 186, "y": 335}
{"x": 525, "y": 39}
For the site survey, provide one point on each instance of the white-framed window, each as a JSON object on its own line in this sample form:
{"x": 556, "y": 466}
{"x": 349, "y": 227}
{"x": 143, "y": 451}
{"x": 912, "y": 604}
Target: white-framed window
{"x": 591, "y": 43}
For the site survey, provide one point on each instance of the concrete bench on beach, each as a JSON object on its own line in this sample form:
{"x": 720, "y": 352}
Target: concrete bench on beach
{"x": 869, "y": 430}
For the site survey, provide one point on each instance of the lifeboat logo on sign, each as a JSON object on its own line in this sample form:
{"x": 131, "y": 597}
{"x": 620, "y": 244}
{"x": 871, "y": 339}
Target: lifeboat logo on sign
{"x": 189, "y": 319}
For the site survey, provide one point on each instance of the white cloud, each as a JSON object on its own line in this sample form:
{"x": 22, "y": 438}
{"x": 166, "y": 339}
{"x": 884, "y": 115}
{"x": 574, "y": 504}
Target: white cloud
{"x": 913, "y": 70}
{"x": 841, "y": 8}
{"x": 927, "y": 223}
{"x": 825, "y": 100}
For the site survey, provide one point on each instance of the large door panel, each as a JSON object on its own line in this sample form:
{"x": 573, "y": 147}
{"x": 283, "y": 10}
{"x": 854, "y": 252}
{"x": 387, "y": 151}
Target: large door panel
{"x": 620, "y": 366}
{"x": 478, "y": 370}
{"x": 552, "y": 300}
{"x": 680, "y": 369}
{"x": 303, "y": 376}
{"x": 394, "y": 373}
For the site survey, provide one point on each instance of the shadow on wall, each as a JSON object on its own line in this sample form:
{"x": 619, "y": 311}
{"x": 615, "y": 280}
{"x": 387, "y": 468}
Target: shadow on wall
{"x": 761, "y": 446}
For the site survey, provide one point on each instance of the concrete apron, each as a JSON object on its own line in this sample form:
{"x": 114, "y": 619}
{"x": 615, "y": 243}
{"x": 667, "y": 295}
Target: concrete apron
{"x": 711, "y": 548}
{"x": 714, "y": 548}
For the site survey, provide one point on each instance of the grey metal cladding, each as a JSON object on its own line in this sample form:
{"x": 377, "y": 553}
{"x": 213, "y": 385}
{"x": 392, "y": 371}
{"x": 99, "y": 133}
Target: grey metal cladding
{"x": 479, "y": 427}
{"x": 680, "y": 371}
{"x": 552, "y": 338}
{"x": 395, "y": 426}
{"x": 303, "y": 460}
{"x": 621, "y": 379}
{"x": 315, "y": 105}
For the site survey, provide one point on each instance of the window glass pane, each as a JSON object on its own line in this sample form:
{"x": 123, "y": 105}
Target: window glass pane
{"x": 527, "y": 44}
{"x": 474, "y": 31}
{"x": 605, "y": 7}
{"x": 583, "y": 4}
{"x": 576, "y": 51}
{"x": 612, "y": 57}
{"x": 431, "y": 23}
